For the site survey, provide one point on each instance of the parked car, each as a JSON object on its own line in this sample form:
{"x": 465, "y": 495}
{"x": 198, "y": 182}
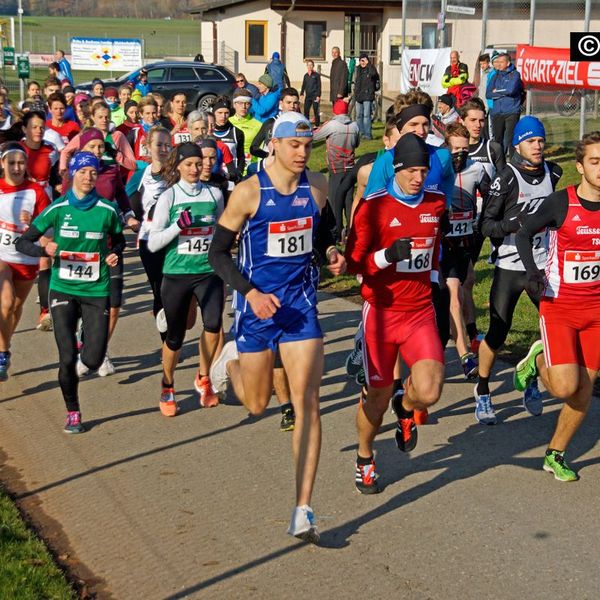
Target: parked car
{"x": 200, "y": 82}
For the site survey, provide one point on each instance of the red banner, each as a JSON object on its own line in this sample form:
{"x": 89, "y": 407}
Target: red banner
{"x": 551, "y": 68}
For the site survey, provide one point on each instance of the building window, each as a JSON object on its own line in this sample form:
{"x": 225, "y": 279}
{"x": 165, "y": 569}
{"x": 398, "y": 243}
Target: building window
{"x": 430, "y": 34}
{"x": 314, "y": 39}
{"x": 412, "y": 41}
{"x": 256, "y": 40}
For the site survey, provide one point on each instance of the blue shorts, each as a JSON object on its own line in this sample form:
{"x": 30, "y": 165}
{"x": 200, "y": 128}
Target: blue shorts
{"x": 287, "y": 325}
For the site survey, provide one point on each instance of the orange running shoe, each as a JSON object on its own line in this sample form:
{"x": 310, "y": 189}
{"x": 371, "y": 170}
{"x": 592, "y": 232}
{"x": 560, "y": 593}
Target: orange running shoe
{"x": 168, "y": 405}
{"x": 208, "y": 399}
{"x": 421, "y": 416}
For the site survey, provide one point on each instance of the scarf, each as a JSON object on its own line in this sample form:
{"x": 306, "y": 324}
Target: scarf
{"x": 85, "y": 203}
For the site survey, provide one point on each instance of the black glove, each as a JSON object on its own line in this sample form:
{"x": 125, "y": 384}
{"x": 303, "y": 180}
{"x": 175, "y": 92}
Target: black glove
{"x": 511, "y": 225}
{"x": 535, "y": 284}
{"x": 399, "y": 250}
{"x": 185, "y": 218}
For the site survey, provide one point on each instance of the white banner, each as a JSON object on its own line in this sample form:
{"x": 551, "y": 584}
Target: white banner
{"x": 96, "y": 54}
{"x": 424, "y": 69}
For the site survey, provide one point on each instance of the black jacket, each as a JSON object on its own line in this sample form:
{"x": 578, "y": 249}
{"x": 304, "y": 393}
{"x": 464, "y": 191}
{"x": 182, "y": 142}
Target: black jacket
{"x": 366, "y": 83}
{"x": 311, "y": 85}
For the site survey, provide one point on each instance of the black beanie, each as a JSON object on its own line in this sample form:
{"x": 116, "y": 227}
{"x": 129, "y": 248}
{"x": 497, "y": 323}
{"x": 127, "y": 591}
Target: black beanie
{"x": 410, "y": 151}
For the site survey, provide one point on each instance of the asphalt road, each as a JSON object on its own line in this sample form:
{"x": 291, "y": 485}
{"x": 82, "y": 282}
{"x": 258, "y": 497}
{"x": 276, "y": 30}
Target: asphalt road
{"x": 142, "y": 506}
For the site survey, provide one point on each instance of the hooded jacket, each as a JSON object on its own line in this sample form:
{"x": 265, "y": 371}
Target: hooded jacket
{"x": 505, "y": 88}
{"x": 342, "y": 138}
{"x": 265, "y": 107}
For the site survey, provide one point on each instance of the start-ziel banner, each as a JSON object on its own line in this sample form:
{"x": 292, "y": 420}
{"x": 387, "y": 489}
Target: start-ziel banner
{"x": 94, "y": 54}
{"x": 551, "y": 68}
{"x": 424, "y": 69}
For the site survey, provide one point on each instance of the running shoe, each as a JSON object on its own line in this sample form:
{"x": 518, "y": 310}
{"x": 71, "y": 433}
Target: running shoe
{"x": 406, "y": 429}
{"x": 218, "y": 370}
{"x": 288, "y": 418}
{"x": 421, "y": 416}
{"x": 4, "y": 365}
{"x": 361, "y": 378}
{"x": 554, "y": 462}
{"x": 475, "y": 343}
{"x": 208, "y": 398}
{"x": 532, "y": 399}
{"x": 526, "y": 369}
{"x": 354, "y": 360}
{"x": 302, "y": 524}
{"x": 74, "y": 424}
{"x": 484, "y": 409}
{"x": 168, "y": 405}
{"x": 366, "y": 478}
{"x": 470, "y": 366}
{"x": 397, "y": 397}
{"x": 45, "y": 322}
{"x": 82, "y": 369}
{"x": 161, "y": 321}
{"x": 106, "y": 368}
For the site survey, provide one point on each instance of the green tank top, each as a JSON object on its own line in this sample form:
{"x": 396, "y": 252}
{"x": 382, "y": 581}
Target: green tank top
{"x": 187, "y": 254}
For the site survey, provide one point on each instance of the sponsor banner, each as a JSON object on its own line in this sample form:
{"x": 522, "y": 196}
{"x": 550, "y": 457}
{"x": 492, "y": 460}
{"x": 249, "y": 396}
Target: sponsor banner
{"x": 424, "y": 69}
{"x": 97, "y": 54}
{"x": 551, "y": 68}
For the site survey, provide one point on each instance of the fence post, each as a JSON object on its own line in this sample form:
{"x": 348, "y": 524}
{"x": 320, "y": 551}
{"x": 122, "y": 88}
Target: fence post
{"x": 586, "y": 28}
{"x": 484, "y": 19}
{"x": 222, "y": 54}
{"x": 178, "y": 44}
{"x": 236, "y": 61}
{"x": 54, "y": 44}
{"x": 531, "y": 39}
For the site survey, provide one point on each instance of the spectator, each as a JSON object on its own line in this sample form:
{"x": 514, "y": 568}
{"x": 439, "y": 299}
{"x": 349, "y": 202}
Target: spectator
{"x": 446, "y": 114}
{"x": 455, "y": 75}
{"x": 506, "y": 90}
{"x": 242, "y": 82}
{"x": 141, "y": 87}
{"x": 267, "y": 104}
{"x": 366, "y": 83}
{"x": 276, "y": 69}
{"x": 483, "y": 76}
{"x": 311, "y": 92}
{"x": 248, "y": 125}
{"x": 54, "y": 71}
{"x": 199, "y": 57}
{"x": 97, "y": 88}
{"x": 342, "y": 138}
{"x": 338, "y": 77}
{"x": 64, "y": 65}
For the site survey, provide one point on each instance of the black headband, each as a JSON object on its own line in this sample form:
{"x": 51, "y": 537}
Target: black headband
{"x": 206, "y": 143}
{"x": 188, "y": 150}
{"x": 220, "y": 104}
{"x": 410, "y": 112}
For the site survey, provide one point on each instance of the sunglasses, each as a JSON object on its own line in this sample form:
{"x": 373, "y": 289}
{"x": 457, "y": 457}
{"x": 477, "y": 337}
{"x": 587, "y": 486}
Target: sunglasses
{"x": 239, "y": 81}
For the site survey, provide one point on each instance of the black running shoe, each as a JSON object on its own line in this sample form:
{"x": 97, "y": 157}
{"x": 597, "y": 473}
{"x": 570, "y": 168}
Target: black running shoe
{"x": 288, "y": 419}
{"x": 366, "y": 478}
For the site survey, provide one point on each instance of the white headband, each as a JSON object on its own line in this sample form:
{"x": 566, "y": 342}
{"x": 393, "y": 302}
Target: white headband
{"x": 12, "y": 150}
{"x": 242, "y": 99}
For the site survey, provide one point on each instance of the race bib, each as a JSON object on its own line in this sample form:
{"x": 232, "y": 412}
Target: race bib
{"x": 461, "y": 223}
{"x": 79, "y": 266}
{"x": 181, "y": 138}
{"x": 9, "y": 234}
{"x": 420, "y": 257}
{"x": 290, "y": 238}
{"x": 195, "y": 241}
{"x": 581, "y": 266}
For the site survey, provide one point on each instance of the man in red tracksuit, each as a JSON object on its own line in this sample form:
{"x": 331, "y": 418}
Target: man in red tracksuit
{"x": 395, "y": 243}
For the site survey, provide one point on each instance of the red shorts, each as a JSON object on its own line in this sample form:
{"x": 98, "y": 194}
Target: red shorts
{"x": 413, "y": 334}
{"x": 23, "y": 272}
{"x": 570, "y": 335}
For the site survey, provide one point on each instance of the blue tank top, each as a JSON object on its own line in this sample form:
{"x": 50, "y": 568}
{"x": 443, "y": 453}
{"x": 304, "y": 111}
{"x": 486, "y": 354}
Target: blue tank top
{"x": 276, "y": 246}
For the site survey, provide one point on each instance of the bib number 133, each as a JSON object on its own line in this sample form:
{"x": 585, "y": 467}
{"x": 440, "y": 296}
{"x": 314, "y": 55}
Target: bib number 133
{"x": 290, "y": 238}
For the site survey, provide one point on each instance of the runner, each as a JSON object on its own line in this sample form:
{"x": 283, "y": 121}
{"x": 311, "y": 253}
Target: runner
{"x": 20, "y": 202}
{"x": 148, "y": 111}
{"x": 458, "y": 242}
{"x": 246, "y": 123}
{"x": 520, "y": 187}
{"x": 394, "y": 243}
{"x": 67, "y": 130}
{"x": 131, "y": 118}
{"x": 229, "y": 135}
{"x": 568, "y": 357}
{"x": 152, "y": 185}
{"x": 80, "y": 283}
{"x": 175, "y": 119}
{"x": 275, "y": 294}
{"x": 183, "y": 222}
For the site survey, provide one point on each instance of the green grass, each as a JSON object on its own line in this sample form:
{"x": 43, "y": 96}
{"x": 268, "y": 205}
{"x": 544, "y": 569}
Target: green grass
{"x": 27, "y": 571}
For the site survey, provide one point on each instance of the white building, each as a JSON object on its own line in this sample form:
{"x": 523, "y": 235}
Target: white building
{"x": 252, "y": 30}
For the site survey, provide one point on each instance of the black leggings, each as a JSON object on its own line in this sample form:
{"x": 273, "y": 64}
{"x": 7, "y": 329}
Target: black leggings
{"x": 153, "y": 265}
{"x": 505, "y": 292}
{"x": 116, "y": 285}
{"x": 339, "y": 201}
{"x": 177, "y": 291}
{"x": 66, "y": 309}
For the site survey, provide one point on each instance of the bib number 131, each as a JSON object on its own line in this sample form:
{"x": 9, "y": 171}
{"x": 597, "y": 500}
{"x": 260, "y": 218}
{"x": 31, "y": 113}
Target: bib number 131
{"x": 290, "y": 238}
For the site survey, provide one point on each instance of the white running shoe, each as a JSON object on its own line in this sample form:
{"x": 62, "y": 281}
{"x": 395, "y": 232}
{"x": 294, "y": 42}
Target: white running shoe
{"x": 218, "y": 371}
{"x": 106, "y": 368}
{"x": 303, "y": 525}
{"x": 161, "y": 321}
{"x": 82, "y": 370}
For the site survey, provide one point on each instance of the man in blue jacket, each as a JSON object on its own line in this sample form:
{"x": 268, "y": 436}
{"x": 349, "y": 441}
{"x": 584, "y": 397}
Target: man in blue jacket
{"x": 505, "y": 88}
{"x": 267, "y": 104}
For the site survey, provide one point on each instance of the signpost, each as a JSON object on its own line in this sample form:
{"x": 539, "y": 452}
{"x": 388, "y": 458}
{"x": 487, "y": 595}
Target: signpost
{"x": 461, "y": 10}
{"x": 23, "y": 67}
{"x": 9, "y": 55}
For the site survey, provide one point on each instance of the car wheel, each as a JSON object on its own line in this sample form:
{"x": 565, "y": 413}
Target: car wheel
{"x": 205, "y": 103}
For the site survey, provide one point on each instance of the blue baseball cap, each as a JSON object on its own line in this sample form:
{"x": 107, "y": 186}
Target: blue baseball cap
{"x": 526, "y": 128}
{"x": 291, "y": 124}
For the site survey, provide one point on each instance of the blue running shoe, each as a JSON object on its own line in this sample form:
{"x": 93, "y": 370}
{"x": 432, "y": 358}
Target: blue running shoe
{"x": 484, "y": 409}
{"x": 532, "y": 399}
{"x": 4, "y": 365}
